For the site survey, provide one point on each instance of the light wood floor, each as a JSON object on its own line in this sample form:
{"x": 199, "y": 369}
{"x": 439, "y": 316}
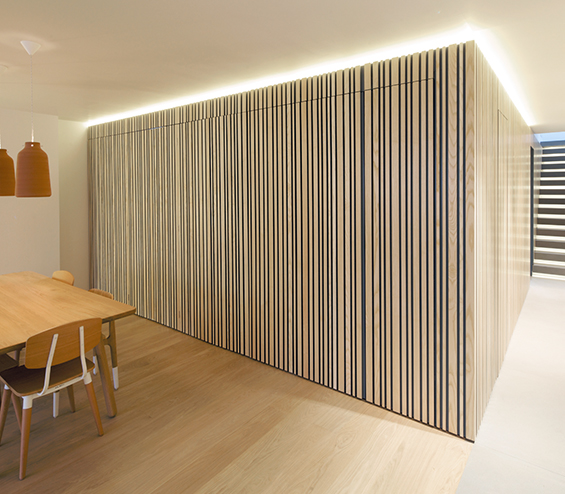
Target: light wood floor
{"x": 195, "y": 418}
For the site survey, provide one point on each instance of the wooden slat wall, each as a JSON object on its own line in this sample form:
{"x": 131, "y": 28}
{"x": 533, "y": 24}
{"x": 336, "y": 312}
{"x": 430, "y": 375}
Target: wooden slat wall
{"x": 502, "y": 219}
{"x": 324, "y": 226}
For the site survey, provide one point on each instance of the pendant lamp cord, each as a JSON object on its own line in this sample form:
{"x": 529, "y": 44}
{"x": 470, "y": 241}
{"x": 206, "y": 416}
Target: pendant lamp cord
{"x": 31, "y": 84}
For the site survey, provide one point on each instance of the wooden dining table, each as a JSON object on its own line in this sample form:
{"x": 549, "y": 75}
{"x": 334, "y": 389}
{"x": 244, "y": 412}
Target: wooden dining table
{"x": 31, "y": 303}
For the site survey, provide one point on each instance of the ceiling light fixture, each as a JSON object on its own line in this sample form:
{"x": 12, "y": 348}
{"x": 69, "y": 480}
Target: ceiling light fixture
{"x": 7, "y": 177}
{"x": 32, "y": 173}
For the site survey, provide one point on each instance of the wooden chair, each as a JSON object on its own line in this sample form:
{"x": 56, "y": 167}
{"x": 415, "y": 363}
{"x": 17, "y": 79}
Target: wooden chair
{"x": 110, "y": 340}
{"x": 54, "y": 359}
{"x": 7, "y": 362}
{"x": 64, "y": 276}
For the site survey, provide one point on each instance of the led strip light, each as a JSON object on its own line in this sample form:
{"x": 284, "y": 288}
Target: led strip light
{"x": 486, "y": 42}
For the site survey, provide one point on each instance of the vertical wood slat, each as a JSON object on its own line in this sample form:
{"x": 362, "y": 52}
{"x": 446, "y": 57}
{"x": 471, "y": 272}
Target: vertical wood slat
{"x": 328, "y": 227}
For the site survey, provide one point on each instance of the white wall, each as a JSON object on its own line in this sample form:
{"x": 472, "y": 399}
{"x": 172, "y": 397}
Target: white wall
{"x": 29, "y": 227}
{"x": 73, "y": 200}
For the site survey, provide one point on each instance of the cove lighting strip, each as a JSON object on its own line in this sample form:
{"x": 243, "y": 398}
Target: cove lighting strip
{"x": 486, "y": 43}
{"x": 494, "y": 53}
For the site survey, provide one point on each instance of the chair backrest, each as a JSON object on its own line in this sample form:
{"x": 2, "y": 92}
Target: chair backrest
{"x": 64, "y": 276}
{"x": 103, "y": 293}
{"x": 68, "y": 343}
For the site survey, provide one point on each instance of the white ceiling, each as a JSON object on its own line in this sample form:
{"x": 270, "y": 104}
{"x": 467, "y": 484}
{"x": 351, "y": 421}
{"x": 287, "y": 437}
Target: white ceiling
{"x": 102, "y": 57}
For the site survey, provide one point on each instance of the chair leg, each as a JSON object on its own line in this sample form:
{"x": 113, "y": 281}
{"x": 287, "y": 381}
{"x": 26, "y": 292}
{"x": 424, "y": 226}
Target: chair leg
{"x": 18, "y": 409}
{"x": 112, "y": 343}
{"x": 107, "y": 387}
{"x": 71, "y": 394}
{"x": 93, "y": 404}
{"x": 26, "y": 423}
{"x": 6, "y": 393}
{"x": 115, "y": 377}
{"x": 55, "y": 404}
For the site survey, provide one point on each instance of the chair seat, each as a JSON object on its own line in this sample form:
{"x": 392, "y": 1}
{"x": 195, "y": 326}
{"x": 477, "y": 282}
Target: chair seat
{"x": 7, "y": 362}
{"x": 25, "y": 382}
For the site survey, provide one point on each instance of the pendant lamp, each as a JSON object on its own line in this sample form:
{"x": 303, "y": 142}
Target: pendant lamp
{"x": 7, "y": 178}
{"x": 32, "y": 173}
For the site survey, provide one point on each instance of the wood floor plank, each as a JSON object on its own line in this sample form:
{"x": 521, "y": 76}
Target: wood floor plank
{"x": 196, "y": 418}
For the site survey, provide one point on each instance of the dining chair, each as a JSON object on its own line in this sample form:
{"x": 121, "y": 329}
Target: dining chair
{"x": 54, "y": 359}
{"x": 64, "y": 276}
{"x": 110, "y": 340}
{"x": 7, "y": 362}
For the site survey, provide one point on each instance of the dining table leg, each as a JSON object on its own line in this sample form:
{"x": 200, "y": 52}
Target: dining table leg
{"x": 106, "y": 379}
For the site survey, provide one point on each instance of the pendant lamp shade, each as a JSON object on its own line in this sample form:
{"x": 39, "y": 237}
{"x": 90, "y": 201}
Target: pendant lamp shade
{"x": 7, "y": 178}
{"x": 32, "y": 173}
{"x": 32, "y": 170}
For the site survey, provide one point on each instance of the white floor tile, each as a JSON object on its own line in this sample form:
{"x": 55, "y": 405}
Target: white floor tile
{"x": 520, "y": 446}
{"x": 491, "y": 472}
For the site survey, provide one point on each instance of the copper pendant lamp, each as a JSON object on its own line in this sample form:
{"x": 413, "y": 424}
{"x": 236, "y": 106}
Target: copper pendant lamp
{"x": 7, "y": 176}
{"x": 32, "y": 173}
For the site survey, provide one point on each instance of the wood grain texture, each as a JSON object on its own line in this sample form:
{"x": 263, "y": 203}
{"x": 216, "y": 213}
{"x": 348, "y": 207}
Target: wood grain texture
{"x": 500, "y": 181}
{"x": 31, "y": 303}
{"x": 215, "y": 421}
{"x": 329, "y": 227}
